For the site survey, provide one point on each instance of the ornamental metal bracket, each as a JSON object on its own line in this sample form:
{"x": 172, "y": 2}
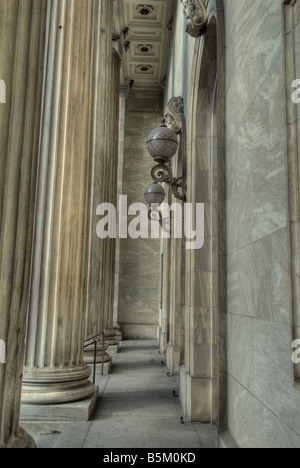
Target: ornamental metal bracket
{"x": 155, "y": 216}
{"x": 175, "y": 109}
{"x": 196, "y": 13}
{"x": 162, "y": 173}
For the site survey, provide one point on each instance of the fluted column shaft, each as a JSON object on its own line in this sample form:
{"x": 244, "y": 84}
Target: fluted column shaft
{"x": 22, "y": 38}
{"x": 122, "y": 112}
{"x": 101, "y": 255}
{"x": 54, "y": 368}
{"x": 112, "y": 193}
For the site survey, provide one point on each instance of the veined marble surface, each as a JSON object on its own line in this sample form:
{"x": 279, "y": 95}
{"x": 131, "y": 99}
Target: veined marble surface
{"x": 139, "y": 280}
{"x": 263, "y": 402}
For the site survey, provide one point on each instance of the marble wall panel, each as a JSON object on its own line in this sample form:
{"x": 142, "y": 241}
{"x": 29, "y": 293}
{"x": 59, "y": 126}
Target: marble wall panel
{"x": 257, "y": 45}
{"x": 139, "y": 280}
{"x": 262, "y": 400}
{"x": 285, "y": 436}
{"x": 250, "y": 422}
{"x": 141, "y": 312}
{"x": 273, "y": 384}
{"x": 139, "y": 331}
{"x": 241, "y": 349}
{"x": 270, "y": 194}
{"x": 239, "y": 216}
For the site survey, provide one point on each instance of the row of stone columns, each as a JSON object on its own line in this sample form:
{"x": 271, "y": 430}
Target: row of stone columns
{"x": 59, "y": 150}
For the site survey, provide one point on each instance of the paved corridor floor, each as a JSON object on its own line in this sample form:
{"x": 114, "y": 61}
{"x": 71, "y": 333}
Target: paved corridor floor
{"x": 139, "y": 408}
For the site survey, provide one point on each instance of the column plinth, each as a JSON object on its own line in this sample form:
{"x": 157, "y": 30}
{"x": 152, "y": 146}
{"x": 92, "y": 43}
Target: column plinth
{"x": 54, "y": 386}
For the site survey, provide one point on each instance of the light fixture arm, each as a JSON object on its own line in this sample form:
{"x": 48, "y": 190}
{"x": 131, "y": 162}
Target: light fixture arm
{"x": 156, "y": 216}
{"x": 162, "y": 173}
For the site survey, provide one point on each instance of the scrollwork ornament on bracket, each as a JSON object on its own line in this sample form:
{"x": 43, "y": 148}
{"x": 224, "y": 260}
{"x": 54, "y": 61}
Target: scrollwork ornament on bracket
{"x": 196, "y": 13}
{"x": 155, "y": 216}
{"x": 163, "y": 173}
{"x": 173, "y": 117}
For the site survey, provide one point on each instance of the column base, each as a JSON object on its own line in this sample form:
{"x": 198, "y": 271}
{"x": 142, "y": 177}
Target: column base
{"x": 106, "y": 367}
{"x": 113, "y": 349}
{"x": 21, "y": 441}
{"x": 110, "y": 338}
{"x": 195, "y": 397}
{"x": 118, "y": 335}
{"x": 173, "y": 359}
{"x": 75, "y": 411}
{"x": 118, "y": 332}
{"x": 163, "y": 343}
{"x": 89, "y": 355}
{"x": 54, "y": 386}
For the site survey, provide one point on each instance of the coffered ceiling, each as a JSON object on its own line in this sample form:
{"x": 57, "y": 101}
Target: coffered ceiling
{"x": 147, "y": 41}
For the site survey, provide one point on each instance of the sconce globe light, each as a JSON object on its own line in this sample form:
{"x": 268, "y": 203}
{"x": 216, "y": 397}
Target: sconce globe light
{"x": 155, "y": 193}
{"x": 162, "y": 144}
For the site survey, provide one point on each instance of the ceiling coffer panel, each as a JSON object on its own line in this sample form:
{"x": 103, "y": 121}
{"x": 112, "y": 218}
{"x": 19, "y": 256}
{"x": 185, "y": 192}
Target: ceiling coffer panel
{"x": 148, "y": 36}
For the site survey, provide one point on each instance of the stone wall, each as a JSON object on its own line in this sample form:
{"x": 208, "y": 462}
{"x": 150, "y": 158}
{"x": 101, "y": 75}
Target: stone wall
{"x": 139, "y": 275}
{"x": 263, "y": 399}
{"x": 263, "y": 403}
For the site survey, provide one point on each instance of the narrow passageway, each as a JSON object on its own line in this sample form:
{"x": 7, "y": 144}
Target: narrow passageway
{"x": 139, "y": 408}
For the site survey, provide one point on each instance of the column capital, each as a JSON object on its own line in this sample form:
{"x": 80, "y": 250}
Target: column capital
{"x": 117, "y": 47}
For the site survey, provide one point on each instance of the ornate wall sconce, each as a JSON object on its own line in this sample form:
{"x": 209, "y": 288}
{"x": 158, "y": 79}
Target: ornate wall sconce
{"x": 155, "y": 195}
{"x": 162, "y": 145}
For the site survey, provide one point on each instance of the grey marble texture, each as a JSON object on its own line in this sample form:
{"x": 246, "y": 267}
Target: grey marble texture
{"x": 139, "y": 274}
{"x": 253, "y": 49}
{"x": 262, "y": 400}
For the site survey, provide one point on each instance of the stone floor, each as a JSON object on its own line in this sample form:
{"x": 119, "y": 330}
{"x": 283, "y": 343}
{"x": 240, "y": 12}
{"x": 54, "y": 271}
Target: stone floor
{"x": 138, "y": 408}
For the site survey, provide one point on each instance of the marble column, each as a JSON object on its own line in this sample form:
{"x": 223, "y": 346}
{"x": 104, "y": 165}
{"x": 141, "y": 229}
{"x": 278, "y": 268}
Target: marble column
{"x": 112, "y": 193}
{"x": 124, "y": 90}
{"x": 165, "y": 319}
{"x": 177, "y": 264}
{"x": 101, "y": 252}
{"x": 205, "y": 321}
{"x": 54, "y": 368}
{"x": 22, "y": 36}
{"x": 175, "y": 325}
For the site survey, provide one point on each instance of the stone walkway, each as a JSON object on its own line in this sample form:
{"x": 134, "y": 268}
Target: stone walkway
{"x": 139, "y": 408}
